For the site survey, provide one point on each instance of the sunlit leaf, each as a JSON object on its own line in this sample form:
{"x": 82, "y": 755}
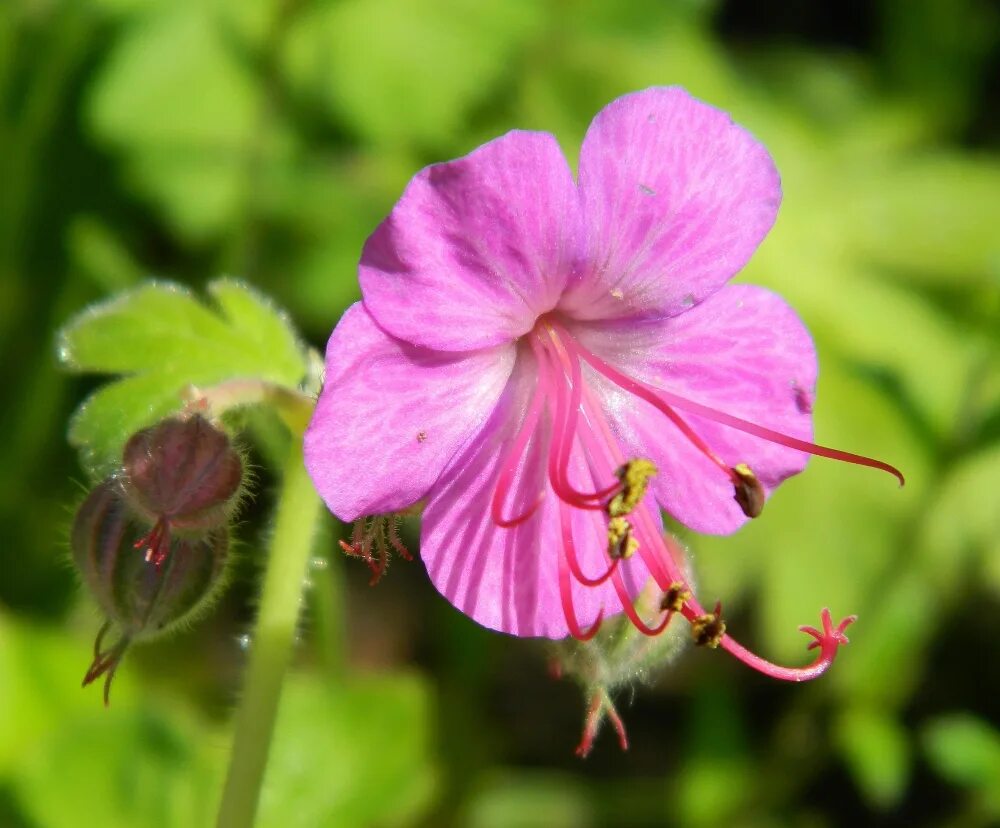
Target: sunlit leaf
{"x": 163, "y": 339}
{"x": 397, "y": 72}
{"x": 119, "y": 768}
{"x": 932, "y": 216}
{"x": 963, "y": 520}
{"x": 189, "y": 129}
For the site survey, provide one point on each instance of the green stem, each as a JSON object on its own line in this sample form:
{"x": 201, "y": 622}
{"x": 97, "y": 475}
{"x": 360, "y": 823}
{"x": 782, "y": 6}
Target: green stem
{"x": 327, "y": 604}
{"x": 273, "y": 641}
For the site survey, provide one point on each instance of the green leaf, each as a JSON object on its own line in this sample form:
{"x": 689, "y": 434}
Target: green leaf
{"x": 875, "y": 746}
{"x": 122, "y": 768}
{"x": 963, "y": 521}
{"x": 189, "y": 152}
{"x": 40, "y": 673}
{"x": 965, "y": 750}
{"x": 355, "y": 754}
{"x": 163, "y": 339}
{"x": 934, "y": 217}
{"x": 63, "y": 754}
{"x": 399, "y": 72}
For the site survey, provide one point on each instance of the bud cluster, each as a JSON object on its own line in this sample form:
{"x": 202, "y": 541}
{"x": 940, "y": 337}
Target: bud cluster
{"x": 151, "y": 542}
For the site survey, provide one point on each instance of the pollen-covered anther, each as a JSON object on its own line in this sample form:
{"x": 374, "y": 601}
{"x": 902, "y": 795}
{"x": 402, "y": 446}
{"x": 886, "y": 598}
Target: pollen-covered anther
{"x": 708, "y": 629}
{"x": 634, "y": 477}
{"x": 621, "y": 543}
{"x": 675, "y": 597}
{"x": 749, "y": 492}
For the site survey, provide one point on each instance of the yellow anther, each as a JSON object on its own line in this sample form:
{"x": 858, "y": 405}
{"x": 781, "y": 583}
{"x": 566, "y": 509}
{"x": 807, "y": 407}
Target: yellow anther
{"x": 621, "y": 544}
{"x": 707, "y": 630}
{"x": 634, "y": 477}
{"x": 674, "y": 598}
{"x": 749, "y": 492}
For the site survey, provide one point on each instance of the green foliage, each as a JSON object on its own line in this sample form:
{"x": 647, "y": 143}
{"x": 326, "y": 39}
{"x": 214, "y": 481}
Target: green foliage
{"x": 352, "y": 753}
{"x": 530, "y": 801}
{"x": 152, "y": 772}
{"x": 163, "y": 340}
{"x": 965, "y": 750}
{"x": 397, "y": 72}
{"x": 877, "y": 751}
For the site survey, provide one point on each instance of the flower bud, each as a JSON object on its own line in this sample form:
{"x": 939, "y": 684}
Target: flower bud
{"x": 141, "y": 599}
{"x": 174, "y": 497}
{"x": 183, "y": 470}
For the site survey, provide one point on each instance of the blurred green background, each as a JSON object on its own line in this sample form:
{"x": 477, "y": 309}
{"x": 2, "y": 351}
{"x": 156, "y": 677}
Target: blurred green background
{"x": 186, "y": 139}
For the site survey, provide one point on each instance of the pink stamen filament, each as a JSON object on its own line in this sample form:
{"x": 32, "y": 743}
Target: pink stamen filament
{"x": 566, "y": 598}
{"x": 662, "y": 400}
{"x": 512, "y": 459}
{"x": 566, "y": 528}
{"x": 564, "y": 429}
{"x": 605, "y": 454}
{"x": 629, "y": 608}
{"x": 578, "y": 422}
{"x": 666, "y": 570}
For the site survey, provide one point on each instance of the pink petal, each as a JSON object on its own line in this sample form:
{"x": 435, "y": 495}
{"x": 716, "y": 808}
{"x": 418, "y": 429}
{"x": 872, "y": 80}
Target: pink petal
{"x": 743, "y": 351}
{"x": 475, "y": 249}
{"x": 676, "y": 198}
{"x": 507, "y": 579}
{"x": 391, "y": 415}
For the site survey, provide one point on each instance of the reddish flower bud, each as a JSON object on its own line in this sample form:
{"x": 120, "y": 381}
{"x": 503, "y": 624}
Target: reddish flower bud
{"x": 174, "y": 497}
{"x": 183, "y": 470}
{"x": 140, "y": 598}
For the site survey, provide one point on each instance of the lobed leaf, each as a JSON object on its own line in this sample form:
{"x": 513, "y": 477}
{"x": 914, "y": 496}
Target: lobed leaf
{"x": 163, "y": 339}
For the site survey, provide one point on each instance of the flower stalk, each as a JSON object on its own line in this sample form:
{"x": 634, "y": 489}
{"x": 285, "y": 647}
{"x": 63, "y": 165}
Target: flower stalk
{"x": 298, "y": 514}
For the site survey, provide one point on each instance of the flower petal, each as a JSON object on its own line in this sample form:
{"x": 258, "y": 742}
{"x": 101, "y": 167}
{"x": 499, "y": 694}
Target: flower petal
{"x": 507, "y": 578}
{"x": 476, "y": 249}
{"x": 391, "y": 415}
{"x": 676, "y": 198}
{"x": 743, "y": 351}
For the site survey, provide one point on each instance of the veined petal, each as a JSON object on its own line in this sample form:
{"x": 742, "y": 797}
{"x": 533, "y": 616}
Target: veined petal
{"x": 743, "y": 351}
{"x": 676, "y": 198}
{"x": 392, "y": 415}
{"x": 507, "y": 579}
{"x": 477, "y": 248}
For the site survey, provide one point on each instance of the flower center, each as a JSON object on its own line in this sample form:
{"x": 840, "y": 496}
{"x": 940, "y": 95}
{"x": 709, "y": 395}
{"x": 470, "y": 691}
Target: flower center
{"x": 611, "y": 493}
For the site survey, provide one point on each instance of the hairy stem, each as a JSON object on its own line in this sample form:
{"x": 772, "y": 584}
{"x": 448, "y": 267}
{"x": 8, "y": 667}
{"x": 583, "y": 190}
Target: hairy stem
{"x": 298, "y": 513}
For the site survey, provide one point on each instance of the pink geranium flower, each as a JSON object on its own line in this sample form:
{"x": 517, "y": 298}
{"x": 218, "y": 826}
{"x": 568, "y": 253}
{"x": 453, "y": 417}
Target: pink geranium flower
{"x": 546, "y": 363}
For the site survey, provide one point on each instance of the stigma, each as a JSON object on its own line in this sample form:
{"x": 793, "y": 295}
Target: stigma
{"x": 614, "y": 491}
